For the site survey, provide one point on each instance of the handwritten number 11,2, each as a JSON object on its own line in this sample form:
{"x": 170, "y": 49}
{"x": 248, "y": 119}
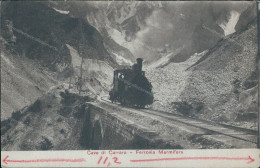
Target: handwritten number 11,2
{"x": 115, "y": 160}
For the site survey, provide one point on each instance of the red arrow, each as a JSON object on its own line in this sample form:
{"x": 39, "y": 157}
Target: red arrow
{"x": 250, "y": 160}
{"x": 5, "y": 160}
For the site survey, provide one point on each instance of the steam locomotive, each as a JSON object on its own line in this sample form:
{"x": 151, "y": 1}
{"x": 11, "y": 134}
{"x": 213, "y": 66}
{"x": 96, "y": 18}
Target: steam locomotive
{"x": 131, "y": 87}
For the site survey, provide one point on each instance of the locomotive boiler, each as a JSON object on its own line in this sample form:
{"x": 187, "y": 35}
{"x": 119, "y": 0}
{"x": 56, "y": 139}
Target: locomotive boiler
{"x": 131, "y": 87}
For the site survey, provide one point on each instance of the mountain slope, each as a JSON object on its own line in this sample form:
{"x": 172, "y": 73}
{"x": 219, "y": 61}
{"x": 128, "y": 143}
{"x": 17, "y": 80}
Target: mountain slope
{"x": 146, "y": 28}
{"x": 224, "y": 81}
{"x": 35, "y": 56}
{"x": 22, "y": 81}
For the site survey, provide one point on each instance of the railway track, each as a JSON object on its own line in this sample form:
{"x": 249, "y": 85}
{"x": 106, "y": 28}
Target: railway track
{"x": 212, "y": 128}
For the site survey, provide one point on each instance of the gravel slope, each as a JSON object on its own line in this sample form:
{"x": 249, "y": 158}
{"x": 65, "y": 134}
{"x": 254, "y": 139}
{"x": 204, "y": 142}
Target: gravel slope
{"x": 225, "y": 80}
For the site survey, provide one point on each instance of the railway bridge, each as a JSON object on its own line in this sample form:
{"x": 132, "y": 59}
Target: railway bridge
{"x": 111, "y": 126}
{"x": 105, "y": 129}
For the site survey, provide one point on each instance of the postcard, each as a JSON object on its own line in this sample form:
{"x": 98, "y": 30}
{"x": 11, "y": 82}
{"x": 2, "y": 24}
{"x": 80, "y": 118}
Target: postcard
{"x": 130, "y": 84}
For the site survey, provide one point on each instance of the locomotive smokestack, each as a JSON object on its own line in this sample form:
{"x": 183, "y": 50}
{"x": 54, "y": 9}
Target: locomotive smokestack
{"x": 139, "y": 64}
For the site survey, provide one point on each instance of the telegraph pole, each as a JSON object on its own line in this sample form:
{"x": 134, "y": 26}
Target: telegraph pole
{"x": 80, "y": 78}
{"x": 71, "y": 75}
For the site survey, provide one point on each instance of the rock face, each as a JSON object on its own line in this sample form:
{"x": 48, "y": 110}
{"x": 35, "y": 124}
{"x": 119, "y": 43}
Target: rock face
{"x": 96, "y": 14}
{"x": 246, "y": 17}
{"x": 42, "y": 34}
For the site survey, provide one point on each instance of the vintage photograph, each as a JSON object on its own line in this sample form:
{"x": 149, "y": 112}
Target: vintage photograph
{"x": 100, "y": 75}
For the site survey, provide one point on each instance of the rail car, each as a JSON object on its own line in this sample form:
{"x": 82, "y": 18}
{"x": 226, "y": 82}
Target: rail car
{"x": 131, "y": 87}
